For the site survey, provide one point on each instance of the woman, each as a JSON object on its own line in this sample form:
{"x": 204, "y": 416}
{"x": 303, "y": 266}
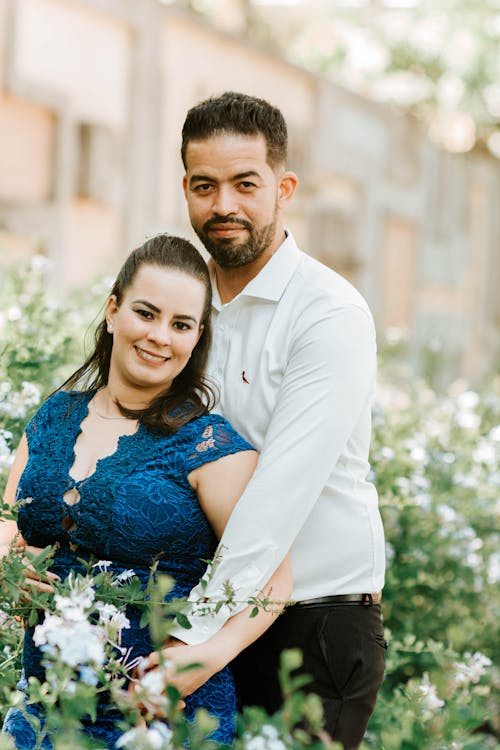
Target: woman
{"x": 133, "y": 468}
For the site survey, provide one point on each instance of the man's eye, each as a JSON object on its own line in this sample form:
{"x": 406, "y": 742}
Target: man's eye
{"x": 203, "y": 188}
{"x": 247, "y": 185}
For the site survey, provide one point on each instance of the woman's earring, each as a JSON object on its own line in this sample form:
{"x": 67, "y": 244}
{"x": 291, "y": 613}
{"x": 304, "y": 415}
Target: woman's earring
{"x": 110, "y": 328}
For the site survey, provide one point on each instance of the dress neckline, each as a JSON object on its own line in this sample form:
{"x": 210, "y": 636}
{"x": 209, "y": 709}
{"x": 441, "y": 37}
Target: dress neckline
{"x": 83, "y": 413}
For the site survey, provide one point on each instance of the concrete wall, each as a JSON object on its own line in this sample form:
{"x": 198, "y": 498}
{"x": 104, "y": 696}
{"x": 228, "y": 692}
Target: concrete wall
{"x": 93, "y": 94}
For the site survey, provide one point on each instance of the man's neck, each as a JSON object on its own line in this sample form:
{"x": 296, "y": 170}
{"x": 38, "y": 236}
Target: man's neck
{"x": 232, "y": 281}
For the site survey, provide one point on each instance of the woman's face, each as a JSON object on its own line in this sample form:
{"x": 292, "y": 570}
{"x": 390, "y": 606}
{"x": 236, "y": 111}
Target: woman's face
{"x": 155, "y": 329}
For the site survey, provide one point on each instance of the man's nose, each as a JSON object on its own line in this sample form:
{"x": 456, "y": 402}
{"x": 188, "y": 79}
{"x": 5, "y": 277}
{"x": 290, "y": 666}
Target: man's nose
{"x": 225, "y": 202}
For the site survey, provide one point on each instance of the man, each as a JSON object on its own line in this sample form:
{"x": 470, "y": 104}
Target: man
{"x": 294, "y": 355}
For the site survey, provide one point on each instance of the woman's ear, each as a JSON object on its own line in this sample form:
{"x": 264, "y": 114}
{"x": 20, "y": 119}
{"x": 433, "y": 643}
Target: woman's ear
{"x": 111, "y": 310}
{"x": 286, "y": 188}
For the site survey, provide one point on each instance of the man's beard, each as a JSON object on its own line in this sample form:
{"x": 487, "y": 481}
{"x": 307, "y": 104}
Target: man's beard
{"x": 226, "y": 252}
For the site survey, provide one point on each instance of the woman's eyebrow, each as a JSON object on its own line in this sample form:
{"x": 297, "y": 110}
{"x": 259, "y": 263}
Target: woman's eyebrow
{"x": 157, "y": 310}
{"x": 146, "y": 304}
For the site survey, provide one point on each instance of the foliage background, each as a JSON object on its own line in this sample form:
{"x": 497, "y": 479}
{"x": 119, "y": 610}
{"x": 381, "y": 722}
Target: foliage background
{"x": 437, "y": 60}
{"x": 435, "y": 461}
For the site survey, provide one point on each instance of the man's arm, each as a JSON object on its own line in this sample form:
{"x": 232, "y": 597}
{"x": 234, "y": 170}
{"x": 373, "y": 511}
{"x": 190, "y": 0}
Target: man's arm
{"x": 327, "y": 384}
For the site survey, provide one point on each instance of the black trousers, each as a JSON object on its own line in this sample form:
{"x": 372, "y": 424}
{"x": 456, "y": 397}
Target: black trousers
{"x": 343, "y": 650}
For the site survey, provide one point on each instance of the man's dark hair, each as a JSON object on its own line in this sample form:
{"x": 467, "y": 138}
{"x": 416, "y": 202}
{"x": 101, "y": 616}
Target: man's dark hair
{"x": 233, "y": 112}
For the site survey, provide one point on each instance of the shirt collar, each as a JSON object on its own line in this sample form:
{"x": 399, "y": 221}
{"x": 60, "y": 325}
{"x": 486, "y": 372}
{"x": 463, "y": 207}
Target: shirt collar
{"x": 272, "y": 280}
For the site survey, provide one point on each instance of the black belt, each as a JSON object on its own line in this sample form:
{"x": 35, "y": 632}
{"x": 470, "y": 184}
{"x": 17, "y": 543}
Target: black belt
{"x": 365, "y": 599}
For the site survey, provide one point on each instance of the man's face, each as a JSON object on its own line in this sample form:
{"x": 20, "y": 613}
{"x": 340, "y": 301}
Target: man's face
{"x": 233, "y": 198}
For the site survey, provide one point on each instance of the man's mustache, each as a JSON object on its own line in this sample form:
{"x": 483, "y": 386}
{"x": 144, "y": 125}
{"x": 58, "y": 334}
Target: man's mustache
{"x": 218, "y": 220}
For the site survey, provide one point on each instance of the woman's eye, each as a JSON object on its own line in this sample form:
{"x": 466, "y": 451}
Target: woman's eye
{"x": 181, "y": 326}
{"x": 145, "y": 314}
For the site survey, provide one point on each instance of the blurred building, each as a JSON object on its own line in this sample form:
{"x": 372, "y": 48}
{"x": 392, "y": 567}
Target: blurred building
{"x": 93, "y": 94}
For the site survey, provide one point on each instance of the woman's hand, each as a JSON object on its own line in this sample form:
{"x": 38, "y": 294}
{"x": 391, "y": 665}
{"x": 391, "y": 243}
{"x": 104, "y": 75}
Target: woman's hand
{"x": 185, "y": 667}
{"x": 33, "y": 580}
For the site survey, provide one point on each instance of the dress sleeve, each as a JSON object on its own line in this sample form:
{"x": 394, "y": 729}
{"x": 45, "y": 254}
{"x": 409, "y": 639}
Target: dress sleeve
{"x": 46, "y": 417}
{"x": 211, "y": 438}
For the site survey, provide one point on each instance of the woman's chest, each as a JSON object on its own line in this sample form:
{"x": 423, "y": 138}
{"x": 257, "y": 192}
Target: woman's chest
{"x": 129, "y": 510}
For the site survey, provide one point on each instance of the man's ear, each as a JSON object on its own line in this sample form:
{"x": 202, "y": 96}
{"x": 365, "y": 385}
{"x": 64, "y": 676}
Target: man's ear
{"x": 185, "y": 185}
{"x": 286, "y": 188}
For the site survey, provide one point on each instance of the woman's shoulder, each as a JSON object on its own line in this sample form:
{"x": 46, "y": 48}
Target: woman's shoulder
{"x": 210, "y": 437}
{"x": 56, "y": 408}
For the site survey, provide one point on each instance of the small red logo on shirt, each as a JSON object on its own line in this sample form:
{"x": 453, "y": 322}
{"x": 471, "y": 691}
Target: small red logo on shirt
{"x": 243, "y": 377}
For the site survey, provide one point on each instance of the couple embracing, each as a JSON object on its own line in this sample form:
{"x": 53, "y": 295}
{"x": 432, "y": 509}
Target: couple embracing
{"x": 266, "y": 470}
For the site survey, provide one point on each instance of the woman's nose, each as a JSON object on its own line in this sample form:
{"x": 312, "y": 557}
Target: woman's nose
{"x": 160, "y": 333}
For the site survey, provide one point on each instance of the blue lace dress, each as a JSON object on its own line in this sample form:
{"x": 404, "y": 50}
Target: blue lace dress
{"x": 138, "y": 505}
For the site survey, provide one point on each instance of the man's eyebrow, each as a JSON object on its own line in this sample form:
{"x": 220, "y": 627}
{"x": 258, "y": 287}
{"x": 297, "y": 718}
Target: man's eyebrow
{"x": 146, "y": 304}
{"x": 243, "y": 175}
{"x": 239, "y": 176}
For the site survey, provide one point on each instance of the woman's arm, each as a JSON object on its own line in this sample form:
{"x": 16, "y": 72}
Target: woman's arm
{"x": 9, "y": 533}
{"x": 10, "y": 536}
{"x": 218, "y": 485}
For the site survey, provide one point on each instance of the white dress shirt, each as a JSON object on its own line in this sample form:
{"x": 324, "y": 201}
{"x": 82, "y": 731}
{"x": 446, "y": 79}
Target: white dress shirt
{"x": 294, "y": 355}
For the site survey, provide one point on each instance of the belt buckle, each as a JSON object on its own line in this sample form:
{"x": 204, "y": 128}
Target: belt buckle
{"x": 366, "y": 600}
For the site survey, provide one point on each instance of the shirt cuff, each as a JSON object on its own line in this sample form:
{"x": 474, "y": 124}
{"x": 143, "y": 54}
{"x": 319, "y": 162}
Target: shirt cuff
{"x": 207, "y": 610}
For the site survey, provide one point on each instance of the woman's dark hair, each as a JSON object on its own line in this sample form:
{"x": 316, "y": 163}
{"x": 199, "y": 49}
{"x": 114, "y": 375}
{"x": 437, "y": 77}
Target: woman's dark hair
{"x": 191, "y": 394}
{"x": 234, "y": 112}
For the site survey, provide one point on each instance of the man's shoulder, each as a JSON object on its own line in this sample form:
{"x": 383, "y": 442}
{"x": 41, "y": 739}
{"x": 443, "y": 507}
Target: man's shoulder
{"x": 315, "y": 281}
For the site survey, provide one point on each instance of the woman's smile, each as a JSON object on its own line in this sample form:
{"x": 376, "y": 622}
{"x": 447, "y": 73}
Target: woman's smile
{"x": 148, "y": 356}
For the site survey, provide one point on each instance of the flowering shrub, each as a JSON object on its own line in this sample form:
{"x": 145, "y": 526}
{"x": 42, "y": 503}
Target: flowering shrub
{"x": 435, "y": 461}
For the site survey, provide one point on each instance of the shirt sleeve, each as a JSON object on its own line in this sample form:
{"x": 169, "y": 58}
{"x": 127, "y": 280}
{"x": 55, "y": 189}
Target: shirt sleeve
{"x": 328, "y": 383}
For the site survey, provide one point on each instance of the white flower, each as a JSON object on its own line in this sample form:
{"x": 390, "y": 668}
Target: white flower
{"x": 17, "y": 403}
{"x": 14, "y": 313}
{"x": 430, "y": 699}
{"x": 468, "y": 400}
{"x": 447, "y": 514}
{"x": 268, "y": 739}
{"x": 109, "y": 614}
{"x": 386, "y": 452}
{"x": 30, "y": 393}
{"x": 88, "y": 676}
{"x": 472, "y": 670}
{"x": 40, "y": 263}
{"x": 156, "y": 737}
{"x": 102, "y": 565}
{"x": 6, "y": 455}
{"x": 81, "y": 597}
{"x": 123, "y": 577}
{"x": 468, "y": 420}
{"x": 153, "y": 683}
{"x": 493, "y": 568}
{"x": 495, "y": 434}
{"x": 69, "y": 609}
{"x": 75, "y": 643}
{"x": 466, "y": 480}
{"x": 485, "y": 453}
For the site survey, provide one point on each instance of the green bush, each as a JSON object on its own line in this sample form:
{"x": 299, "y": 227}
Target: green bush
{"x": 435, "y": 461}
